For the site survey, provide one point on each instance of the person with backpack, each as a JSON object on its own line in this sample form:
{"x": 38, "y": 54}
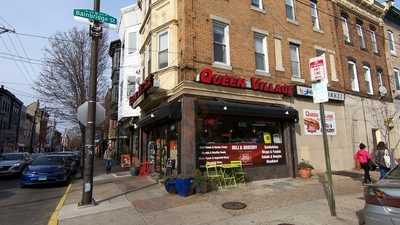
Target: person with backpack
{"x": 383, "y": 158}
{"x": 362, "y": 156}
{"x": 108, "y": 157}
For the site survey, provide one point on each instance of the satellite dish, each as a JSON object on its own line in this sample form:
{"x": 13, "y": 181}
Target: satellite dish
{"x": 382, "y": 91}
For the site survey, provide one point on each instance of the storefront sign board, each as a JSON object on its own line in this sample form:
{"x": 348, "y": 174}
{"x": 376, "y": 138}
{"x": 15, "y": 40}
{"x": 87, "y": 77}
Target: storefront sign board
{"x": 312, "y": 122}
{"x": 307, "y": 92}
{"x": 208, "y": 76}
{"x": 249, "y": 154}
{"x": 145, "y": 86}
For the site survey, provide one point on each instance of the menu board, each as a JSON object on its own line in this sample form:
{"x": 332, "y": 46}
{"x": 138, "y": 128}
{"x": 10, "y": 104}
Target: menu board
{"x": 249, "y": 154}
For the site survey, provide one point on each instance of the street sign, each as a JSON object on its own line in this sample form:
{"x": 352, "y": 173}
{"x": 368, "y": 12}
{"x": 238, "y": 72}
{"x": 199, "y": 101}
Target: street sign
{"x": 95, "y": 16}
{"x": 83, "y": 111}
{"x": 320, "y": 92}
{"x": 318, "y": 68}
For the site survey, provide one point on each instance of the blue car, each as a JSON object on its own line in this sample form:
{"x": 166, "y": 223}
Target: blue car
{"x": 45, "y": 170}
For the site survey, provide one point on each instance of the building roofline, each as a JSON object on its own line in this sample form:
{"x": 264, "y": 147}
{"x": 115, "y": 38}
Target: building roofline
{"x": 393, "y": 15}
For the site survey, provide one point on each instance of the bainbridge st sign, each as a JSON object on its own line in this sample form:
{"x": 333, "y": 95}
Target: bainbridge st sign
{"x": 208, "y": 76}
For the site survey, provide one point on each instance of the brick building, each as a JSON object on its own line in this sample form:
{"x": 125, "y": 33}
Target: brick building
{"x": 221, "y": 86}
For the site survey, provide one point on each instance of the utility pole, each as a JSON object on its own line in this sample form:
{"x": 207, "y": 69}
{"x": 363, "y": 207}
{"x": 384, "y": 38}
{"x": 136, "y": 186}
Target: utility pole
{"x": 33, "y": 127}
{"x": 95, "y": 33}
{"x": 5, "y": 30}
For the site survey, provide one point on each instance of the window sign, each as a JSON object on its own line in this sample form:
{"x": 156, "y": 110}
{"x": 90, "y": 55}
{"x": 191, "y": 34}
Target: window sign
{"x": 312, "y": 122}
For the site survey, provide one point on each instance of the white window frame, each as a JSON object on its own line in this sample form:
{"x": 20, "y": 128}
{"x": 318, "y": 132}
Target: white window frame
{"x": 298, "y": 76}
{"x": 345, "y": 29}
{"x": 353, "y": 77}
{"x": 265, "y": 52}
{"x": 259, "y": 6}
{"x": 368, "y": 80}
{"x": 361, "y": 36}
{"x": 160, "y": 51}
{"x": 131, "y": 50}
{"x": 227, "y": 45}
{"x": 392, "y": 44}
{"x": 374, "y": 43}
{"x": 396, "y": 76}
{"x": 315, "y": 16}
{"x": 290, "y": 3}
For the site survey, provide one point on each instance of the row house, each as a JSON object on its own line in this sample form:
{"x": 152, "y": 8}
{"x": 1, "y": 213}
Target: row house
{"x": 221, "y": 86}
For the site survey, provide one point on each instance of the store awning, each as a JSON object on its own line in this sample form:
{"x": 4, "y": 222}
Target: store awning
{"x": 160, "y": 114}
{"x": 242, "y": 109}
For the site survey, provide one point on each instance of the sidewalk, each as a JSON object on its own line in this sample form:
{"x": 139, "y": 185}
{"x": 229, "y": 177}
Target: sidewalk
{"x": 141, "y": 201}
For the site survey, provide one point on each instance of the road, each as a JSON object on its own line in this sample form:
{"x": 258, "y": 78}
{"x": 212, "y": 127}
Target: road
{"x": 27, "y": 206}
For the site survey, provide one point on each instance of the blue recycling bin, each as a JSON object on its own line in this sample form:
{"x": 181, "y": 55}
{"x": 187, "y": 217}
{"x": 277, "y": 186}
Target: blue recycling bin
{"x": 183, "y": 186}
{"x": 170, "y": 186}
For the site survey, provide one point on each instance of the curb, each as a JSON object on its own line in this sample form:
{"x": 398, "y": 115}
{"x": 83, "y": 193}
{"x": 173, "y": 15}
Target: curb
{"x": 54, "y": 216}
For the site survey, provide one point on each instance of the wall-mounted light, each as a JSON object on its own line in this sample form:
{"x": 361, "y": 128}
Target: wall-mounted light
{"x": 287, "y": 113}
{"x": 225, "y": 108}
{"x": 134, "y": 126}
{"x": 152, "y": 115}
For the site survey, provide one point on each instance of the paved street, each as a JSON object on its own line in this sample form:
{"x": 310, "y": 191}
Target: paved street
{"x": 30, "y": 206}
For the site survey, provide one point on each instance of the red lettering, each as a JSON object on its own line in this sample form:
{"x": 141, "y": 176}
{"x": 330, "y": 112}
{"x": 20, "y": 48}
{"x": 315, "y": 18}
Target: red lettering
{"x": 217, "y": 79}
{"x": 255, "y": 83}
{"x": 225, "y": 80}
{"x": 206, "y": 76}
{"x": 271, "y": 88}
{"x": 241, "y": 83}
{"x": 233, "y": 82}
{"x": 278, "y": 89}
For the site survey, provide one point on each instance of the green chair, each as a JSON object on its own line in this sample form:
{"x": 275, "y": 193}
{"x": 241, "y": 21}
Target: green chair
{"x": 228, "y": 176}
{"x": 213, "y": 173}
{"x": 239, "y": 172}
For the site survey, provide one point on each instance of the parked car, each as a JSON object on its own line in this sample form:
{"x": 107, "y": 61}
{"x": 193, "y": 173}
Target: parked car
{"x": 36, "y": 155}
{"x": 45, "y": 170}
{"x": 13, "y": 163}
{"x": 382, "y": 200}
{"x": 71, "y": 163}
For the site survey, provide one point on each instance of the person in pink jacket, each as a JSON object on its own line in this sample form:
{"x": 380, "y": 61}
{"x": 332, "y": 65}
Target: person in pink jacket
{"x": 362, "y": 156}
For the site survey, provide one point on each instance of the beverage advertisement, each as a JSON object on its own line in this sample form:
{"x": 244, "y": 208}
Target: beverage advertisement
{"x": 312, "y": 122}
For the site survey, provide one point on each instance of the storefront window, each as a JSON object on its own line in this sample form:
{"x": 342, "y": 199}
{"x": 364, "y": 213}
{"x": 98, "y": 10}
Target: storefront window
{"x": 255, "y": 142}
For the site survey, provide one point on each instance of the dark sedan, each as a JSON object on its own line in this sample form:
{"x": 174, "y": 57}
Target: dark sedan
{"x": 45, "y": 170}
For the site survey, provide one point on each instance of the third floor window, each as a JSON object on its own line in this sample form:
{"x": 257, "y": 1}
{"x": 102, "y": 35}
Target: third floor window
{"x": 257, "y": 3}
{"x": 373, "y": 42}
{"x": 360, "y": 34}
{"x": 314, "y": 16}
{"x": 392, "y": 44}
{"x": 162, "y": 50}
{"x": 290, "y": 11}
{"x": 345, "y": 29}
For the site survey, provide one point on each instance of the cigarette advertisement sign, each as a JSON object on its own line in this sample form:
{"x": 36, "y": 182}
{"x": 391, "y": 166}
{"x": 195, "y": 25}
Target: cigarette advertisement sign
{"x": 312, "y": 122}
{"x": 249, "y": 154}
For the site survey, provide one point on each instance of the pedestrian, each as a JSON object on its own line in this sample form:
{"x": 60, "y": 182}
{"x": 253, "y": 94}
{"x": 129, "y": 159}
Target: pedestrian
{"x": 108, "y": 158}
{"x": 383, "y": 158}
{"x": 362, "y": 156}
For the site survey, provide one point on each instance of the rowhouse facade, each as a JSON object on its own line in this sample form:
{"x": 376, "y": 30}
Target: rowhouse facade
{"x": 221, "y": 86}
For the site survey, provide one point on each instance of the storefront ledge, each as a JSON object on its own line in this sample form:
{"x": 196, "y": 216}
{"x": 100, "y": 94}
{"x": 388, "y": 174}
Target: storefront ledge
{"x": 194, "y": 88}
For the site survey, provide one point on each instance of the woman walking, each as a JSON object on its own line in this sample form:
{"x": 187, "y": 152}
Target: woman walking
{"x": 383, "y": 158}
{"x": 362, "y": 157}
{"x": 108, "y": 158}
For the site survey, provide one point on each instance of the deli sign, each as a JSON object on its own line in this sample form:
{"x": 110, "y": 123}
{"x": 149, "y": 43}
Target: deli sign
{"x": 146, "y": 85}
{"x": 208, "y": 76}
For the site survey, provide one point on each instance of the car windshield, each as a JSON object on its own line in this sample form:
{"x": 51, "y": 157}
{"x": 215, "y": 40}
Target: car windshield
{"x": 51, "y": 161}
{"x": 394, "y": 174}
{"x": 12, "y": 157}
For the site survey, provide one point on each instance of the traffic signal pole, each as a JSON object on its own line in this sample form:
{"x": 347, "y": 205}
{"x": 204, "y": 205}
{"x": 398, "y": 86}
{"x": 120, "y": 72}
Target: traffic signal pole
{"x": 95, "y": 33}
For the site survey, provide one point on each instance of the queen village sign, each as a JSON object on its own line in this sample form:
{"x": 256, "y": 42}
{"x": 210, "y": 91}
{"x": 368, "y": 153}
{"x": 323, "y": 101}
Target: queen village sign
{"x": 143, "y": 88}
{"x": 208, "y": 76}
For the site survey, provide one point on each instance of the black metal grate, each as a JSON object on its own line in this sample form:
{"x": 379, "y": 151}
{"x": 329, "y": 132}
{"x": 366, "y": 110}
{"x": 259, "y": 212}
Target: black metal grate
{"x": 234, "y": 205}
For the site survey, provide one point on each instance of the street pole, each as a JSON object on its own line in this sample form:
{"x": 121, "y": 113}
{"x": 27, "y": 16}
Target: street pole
{"x": 95, "y": 33}
{"x": 330, "y": 193}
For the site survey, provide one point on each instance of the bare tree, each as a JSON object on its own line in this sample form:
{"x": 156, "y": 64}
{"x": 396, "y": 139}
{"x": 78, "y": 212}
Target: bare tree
{"x": 64, "y": 80}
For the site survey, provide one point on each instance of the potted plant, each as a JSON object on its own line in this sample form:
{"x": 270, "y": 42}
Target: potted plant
{"x": 200, "y": 182}
{"x": 305, "y": 169}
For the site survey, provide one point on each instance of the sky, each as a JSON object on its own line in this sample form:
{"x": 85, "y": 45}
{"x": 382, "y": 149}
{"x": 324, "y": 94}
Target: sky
{"x": 41, "y": 17}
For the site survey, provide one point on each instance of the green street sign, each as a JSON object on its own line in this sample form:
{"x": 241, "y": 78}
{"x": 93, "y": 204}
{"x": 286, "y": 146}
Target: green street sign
{"x": 95, "y": 16}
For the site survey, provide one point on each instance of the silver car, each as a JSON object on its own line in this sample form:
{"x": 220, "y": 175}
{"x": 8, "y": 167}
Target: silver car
{"x": 13, "y": 163}
{"x": 382, "y": 200}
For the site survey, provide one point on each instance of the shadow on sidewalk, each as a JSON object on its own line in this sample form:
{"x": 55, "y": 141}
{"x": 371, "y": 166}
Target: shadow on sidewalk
{"x": 124, "y": 193}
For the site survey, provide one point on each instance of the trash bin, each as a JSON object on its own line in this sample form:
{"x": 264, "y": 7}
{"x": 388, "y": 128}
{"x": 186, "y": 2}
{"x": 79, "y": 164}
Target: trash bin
{"x": 170, "y": 186}
{"x": 183, "y": 186}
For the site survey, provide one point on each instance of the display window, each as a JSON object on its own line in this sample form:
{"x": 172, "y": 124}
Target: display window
{"x": 254, "y": 141}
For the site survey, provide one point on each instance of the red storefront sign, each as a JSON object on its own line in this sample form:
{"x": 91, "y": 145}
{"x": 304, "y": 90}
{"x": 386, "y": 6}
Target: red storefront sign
{"x": 249, "y": 154}
{"x": 146, "y": 85}
{"x": 208, "y": 76}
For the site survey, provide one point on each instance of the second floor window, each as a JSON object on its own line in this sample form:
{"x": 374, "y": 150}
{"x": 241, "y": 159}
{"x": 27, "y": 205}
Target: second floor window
{"x": 368, "y": 80}
{"x": 345, "y": 28}
{"x": 260, "y": 46}
{"x": 163, "y": 50}
{"x": 392, "y": 45}
{"x": 353, "y": 76}
{"x": 132, "y": 42}
{"x": 314, "y": 16}
{"x": 295, "y": 60}
{"x": 360, "y": 35}
{"x": 396, "y": 74}
{"x": 221, "y": 43}
{"x": 290, "y": 12}
{"x": 257, "y": 3}
{"x": 373, "y": 41}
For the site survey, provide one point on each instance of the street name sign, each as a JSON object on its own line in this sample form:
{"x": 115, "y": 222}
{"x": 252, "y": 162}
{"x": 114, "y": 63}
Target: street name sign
{"x": 95, "y": 16}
